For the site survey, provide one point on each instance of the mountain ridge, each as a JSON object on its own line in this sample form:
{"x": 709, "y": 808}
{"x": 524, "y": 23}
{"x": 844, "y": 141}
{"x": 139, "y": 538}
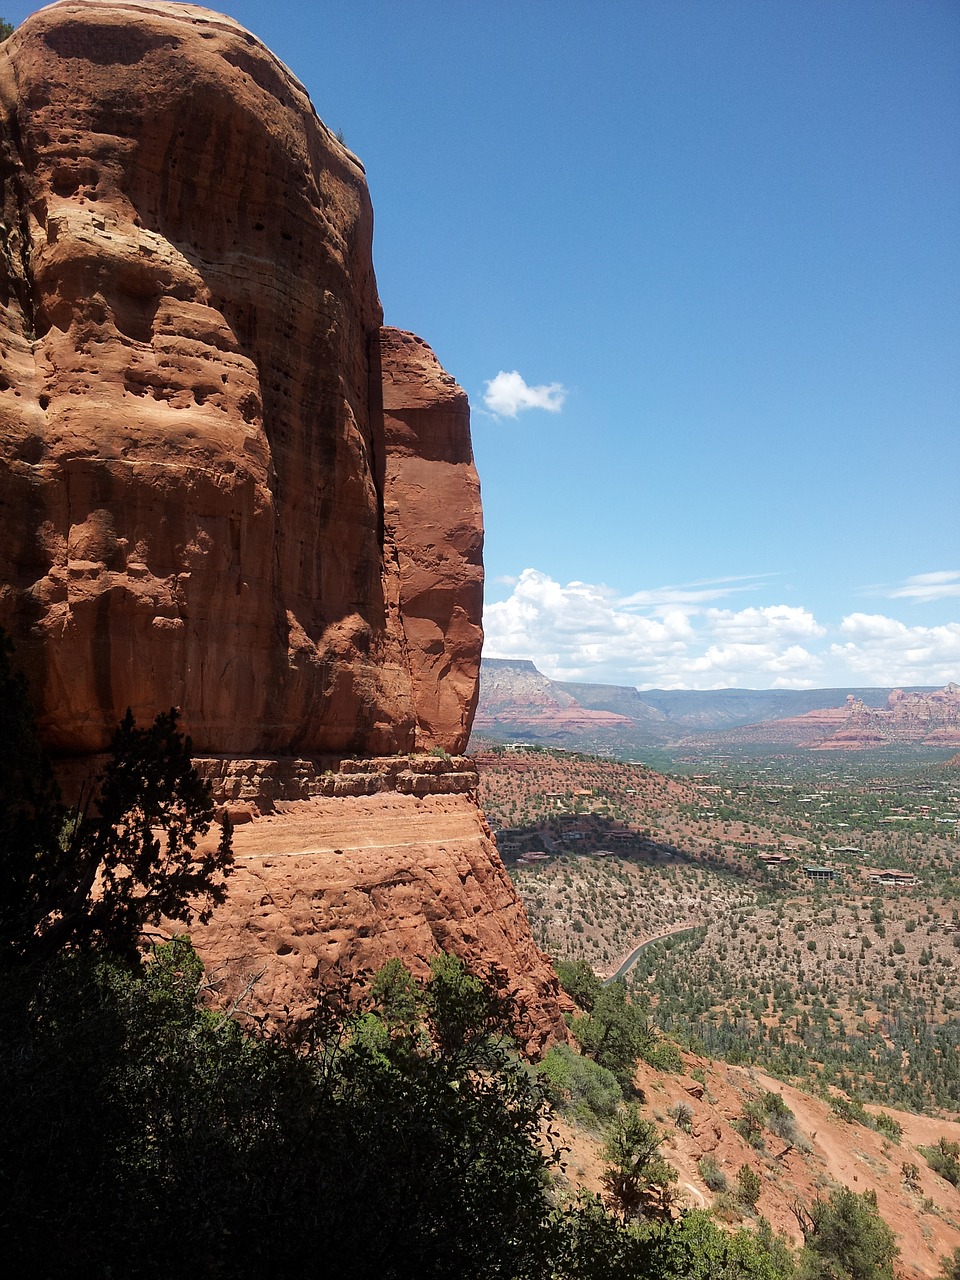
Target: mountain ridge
{"x": 516, "y": 698}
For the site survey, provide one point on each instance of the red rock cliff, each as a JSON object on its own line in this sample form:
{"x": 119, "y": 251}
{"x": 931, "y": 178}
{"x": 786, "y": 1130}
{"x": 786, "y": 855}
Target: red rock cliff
{"x": 198, "y": 503}
{"x": 224, "y": 487}
{"x": 434, "y": 530}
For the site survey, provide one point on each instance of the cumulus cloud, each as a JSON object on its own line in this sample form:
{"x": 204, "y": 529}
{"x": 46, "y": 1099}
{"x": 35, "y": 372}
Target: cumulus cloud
{"x": 772, "y": 622}
{"x": 582, "y": 631}
{"x": 925, "y": 587}
{"x": 885, "y": 651}
{"x": 585, "y": 631}
{"x": 507, "y": 395}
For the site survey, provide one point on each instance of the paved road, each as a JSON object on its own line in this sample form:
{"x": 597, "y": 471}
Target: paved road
{"x": 634, "y": 955}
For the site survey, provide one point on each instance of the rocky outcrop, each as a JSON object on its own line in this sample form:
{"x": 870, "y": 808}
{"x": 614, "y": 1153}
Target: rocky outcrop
{"x": 199, "y": 504}
{"x": 434, "y": 530}
{"x": 329, "y": 889}
{"x": 929, "y": 718}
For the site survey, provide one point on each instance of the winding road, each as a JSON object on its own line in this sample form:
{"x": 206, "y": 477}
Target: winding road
{"x": 634, "y": 955}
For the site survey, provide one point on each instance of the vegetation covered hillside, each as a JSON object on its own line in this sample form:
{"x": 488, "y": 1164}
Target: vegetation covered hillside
{"x": 846, "y": 982}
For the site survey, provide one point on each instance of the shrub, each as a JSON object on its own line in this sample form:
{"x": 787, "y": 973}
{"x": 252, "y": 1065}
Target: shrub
{"x": 748, "y": 1186}
{"x": 712, "y": 1174}
{"x": 579, "y": 1085}
{"x": 846, "y": 1236}
{"x": 681, "y": 1113}
{"x": 944, "y": 1159}
{"x": 780, "y": 1120}
{"x": 664, "y": 1056}
{"x": 750, "y": 1124}
{"x": 851, "y": 1110}
{"x": 638, "y": 1179}
{"x": 887, "y": 1125}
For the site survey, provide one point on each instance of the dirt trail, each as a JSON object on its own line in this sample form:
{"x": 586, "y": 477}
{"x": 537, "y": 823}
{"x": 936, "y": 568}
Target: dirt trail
{"x": 864, "y": 1160}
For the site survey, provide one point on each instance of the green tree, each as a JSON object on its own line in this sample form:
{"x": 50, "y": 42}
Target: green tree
{"x": 637, "y": 1179}
{"x": 846, "y": 1239}
{"x": 944, "y": 1159}
{"x": 615, "y": 1034}
{"x": 748, "y": 1186}
{"x": 145, "y": 1134}
{"x": 580, "y": 982}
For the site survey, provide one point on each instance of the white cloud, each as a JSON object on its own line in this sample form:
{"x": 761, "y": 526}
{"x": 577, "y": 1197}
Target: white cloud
{"x": 925, "y": 587}
{"x": 584, "y": 631}
{"x": 693, "y": 592}
{"x": 507, "y": 395}
{"x": 885, "y": 651}
{"x": 770, "y": 623}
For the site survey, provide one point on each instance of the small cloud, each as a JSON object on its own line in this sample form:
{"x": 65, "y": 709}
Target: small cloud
{"x": 692, "y": 593}
{"x": 505, "y": 579}
{"x": 507, "y": 395}
{"x": 925, "y": 587}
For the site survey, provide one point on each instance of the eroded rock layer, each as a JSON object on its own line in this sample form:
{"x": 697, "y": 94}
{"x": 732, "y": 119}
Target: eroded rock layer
{"x": 327, "y": 889}
{"x": 192, "y": 489}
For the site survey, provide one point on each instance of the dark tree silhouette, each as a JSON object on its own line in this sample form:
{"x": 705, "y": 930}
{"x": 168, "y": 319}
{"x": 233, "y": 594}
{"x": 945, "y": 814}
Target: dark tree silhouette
{"x": 105, "y": 871}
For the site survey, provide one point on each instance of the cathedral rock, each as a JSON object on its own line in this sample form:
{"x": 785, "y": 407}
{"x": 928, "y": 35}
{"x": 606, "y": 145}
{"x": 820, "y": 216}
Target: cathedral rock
{"x": 226, "y": 487}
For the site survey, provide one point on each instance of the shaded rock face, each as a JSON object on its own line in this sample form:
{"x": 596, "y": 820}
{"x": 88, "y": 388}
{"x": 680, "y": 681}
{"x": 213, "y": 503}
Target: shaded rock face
{"x": 198, "y": 504}
{"x": 434, "y": 531}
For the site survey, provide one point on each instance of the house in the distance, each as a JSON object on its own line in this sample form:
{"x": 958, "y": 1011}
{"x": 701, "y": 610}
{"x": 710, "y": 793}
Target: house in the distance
{"x": 892, "y": 877}
{"x": 818, "y": 873}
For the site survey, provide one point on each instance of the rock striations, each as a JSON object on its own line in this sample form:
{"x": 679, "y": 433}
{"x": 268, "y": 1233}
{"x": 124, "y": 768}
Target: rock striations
{"x": 223, "y": 485}
{"x": 199, "y": 500}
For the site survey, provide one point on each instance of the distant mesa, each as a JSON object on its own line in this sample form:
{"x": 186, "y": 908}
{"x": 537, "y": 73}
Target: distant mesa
{"x": 517, "y": 700}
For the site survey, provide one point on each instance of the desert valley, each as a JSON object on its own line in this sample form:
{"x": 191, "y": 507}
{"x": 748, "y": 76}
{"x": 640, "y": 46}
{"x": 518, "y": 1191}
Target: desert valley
{"x": 327, "y": 945}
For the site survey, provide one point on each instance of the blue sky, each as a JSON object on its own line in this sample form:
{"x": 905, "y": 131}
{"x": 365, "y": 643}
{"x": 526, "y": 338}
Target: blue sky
{"x": 722, "y": 237}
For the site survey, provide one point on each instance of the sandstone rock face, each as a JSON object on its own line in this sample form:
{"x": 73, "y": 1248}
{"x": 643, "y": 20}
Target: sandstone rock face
{"x": 329, "y": 888}
{"x": 434, "y": 529}
{"x": 202, "y": 503}
{"x": 197, "y": 503}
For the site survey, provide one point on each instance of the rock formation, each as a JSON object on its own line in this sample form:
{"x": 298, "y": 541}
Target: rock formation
{"x": 327, "y": 889}
{"x": 929, "y": 718}
{"x": 199, "y": 502}
{"x": 433, "y": 525}
{"x": 223, "y": 486}
{"x": 516, "y": 697}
